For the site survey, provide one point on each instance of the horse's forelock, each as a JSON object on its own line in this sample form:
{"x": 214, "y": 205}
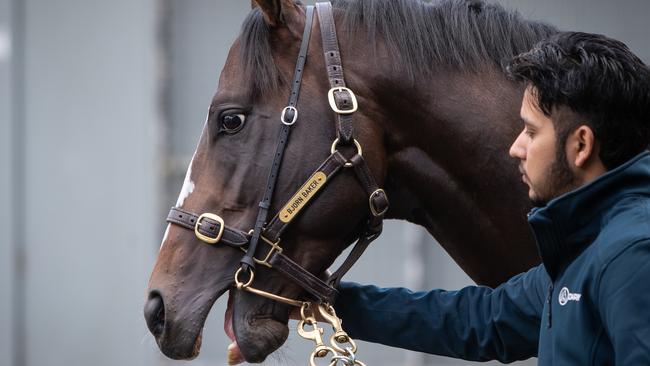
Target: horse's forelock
{"x": 259, "y": 70}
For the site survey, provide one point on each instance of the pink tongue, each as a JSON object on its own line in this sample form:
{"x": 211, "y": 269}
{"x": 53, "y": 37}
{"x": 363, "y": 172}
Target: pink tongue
{"x": 227, "y": 321}
{"x": 234, "y": 353}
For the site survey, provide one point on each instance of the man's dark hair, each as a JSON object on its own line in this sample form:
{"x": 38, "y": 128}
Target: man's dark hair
{"x": 600, "y": 80}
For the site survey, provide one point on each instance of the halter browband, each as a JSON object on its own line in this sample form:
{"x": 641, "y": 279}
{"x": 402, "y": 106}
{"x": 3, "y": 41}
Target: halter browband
{"x": 210, "y": 228}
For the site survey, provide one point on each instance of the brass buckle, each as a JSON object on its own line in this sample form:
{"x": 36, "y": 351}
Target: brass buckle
{"x": 335, "y": 108}
{"x": 284, "y": 112}
{"x": 373, "y": 209}
{"x": 275, "y": 247}
{"x": 206, "y": 238}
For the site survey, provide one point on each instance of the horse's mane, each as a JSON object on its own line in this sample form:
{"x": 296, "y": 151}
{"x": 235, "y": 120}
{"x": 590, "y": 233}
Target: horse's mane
{"x": 422, "y": 35}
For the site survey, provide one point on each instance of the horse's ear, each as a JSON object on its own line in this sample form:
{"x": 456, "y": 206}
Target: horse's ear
{"x": 272, "y": 10}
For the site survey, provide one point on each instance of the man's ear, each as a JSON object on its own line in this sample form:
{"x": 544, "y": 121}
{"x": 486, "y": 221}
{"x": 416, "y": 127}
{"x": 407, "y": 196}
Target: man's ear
{"x": 582, "y": 146}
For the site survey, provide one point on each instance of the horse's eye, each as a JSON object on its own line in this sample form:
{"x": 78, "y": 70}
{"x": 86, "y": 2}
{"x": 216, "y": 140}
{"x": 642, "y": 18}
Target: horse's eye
{"x": 232, "y": 123}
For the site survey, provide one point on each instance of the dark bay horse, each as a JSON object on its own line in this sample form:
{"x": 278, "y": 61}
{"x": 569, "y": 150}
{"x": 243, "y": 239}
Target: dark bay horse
{"x": 436, "y": 117}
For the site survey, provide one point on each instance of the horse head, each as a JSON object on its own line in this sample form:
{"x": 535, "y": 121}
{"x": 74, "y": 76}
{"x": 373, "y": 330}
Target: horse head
{"x": 228, "y": 178}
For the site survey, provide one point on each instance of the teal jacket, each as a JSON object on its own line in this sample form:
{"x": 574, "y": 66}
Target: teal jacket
{"x": 588, "y": 303}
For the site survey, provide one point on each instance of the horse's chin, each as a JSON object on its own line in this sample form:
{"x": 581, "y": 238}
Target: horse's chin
{"x": 257, "y": 330}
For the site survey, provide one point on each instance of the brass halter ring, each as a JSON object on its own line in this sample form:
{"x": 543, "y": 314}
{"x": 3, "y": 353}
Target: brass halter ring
{"x": 240, "y": 285}
{"x": 247, "y": 287}
{"x": 356, "y": 143}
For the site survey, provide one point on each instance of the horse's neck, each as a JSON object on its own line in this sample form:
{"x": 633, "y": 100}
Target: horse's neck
{"x": 449, "y": 170}
{"x": 454, "y": 129}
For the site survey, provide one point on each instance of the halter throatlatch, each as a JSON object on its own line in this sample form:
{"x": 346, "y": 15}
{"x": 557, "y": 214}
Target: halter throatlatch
{"x": 211, "y": 228}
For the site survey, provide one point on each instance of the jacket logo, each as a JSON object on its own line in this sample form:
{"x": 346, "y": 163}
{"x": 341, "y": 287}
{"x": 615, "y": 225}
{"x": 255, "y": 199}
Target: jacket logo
{"x": 566, "y": 296}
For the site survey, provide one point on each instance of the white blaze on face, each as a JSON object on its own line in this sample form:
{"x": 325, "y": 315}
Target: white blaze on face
{"x": 188, "y": 188}
{"x": 164, "y": 239}
{"x": 188, "y": 185}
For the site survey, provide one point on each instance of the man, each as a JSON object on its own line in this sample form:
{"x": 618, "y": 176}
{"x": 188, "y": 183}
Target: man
{"x": 582, "y": 154}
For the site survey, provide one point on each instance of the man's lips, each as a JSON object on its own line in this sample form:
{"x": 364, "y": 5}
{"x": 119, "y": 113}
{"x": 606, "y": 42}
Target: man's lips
{"x": 524, "y": 177}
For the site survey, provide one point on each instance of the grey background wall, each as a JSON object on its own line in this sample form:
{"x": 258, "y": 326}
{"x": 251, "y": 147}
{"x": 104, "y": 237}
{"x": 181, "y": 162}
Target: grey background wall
{"x": 6, "y": 189}
{"x": 101, "y": 104}
{"x": 80, "y": 171}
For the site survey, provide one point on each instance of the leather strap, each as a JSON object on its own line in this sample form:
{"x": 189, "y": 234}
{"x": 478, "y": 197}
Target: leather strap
{"x": 231, "y": 237}
{"x": 377, "y": 198}
{"x": 320, "y": 290}
{"x": 378, "y": 202}
{"x": 302, "y": 58}
{"x": 335, "y": 73}
{"x": 330, "y": 167}
{"x": 361, "y": 245}
{"x": 247, "y": 261}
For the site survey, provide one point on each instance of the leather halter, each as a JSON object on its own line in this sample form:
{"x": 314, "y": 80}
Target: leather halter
{"x": 211, "y": 228}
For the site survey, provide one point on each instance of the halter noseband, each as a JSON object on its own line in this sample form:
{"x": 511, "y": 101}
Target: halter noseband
{"x": 211, "y": 229}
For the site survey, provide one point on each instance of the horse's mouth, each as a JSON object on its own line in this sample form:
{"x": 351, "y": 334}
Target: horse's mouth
{"x": 254, "y": 334}
{"x": 234, "y": 353}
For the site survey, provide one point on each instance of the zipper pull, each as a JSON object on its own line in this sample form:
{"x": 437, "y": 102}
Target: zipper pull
{"x": 549, "y": 317}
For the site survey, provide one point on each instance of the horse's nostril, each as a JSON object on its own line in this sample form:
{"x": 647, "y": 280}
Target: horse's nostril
{"x": 154, "y": 314}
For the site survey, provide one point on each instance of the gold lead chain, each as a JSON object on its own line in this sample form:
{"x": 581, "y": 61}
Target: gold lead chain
{"x": 345, "y": 355}
{"x": 342, "y": 347}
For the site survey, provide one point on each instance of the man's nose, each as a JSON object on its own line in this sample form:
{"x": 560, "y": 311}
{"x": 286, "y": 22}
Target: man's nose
{"x": 518, "y": 149}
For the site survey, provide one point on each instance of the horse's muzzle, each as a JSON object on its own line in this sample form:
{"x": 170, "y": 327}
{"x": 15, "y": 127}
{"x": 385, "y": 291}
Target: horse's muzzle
{"x": 167, "y": 333}
{"x": 154, "y": 314}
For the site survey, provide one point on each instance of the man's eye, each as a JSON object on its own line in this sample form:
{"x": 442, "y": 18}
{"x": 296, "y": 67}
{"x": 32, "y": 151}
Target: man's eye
{"x": 529, "y": 132}
{"x": 232, "y": 123}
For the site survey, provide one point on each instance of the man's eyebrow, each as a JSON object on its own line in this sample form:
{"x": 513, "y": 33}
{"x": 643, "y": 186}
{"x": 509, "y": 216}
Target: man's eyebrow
{"x": 527, "y": 122}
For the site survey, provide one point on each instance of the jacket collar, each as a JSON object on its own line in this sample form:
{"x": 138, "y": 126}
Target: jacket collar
{"x": 570, "y": 222}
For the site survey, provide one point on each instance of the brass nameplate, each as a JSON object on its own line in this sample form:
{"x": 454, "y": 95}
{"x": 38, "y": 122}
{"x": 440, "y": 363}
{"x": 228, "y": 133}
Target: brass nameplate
{"x": 304, "y": 194}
